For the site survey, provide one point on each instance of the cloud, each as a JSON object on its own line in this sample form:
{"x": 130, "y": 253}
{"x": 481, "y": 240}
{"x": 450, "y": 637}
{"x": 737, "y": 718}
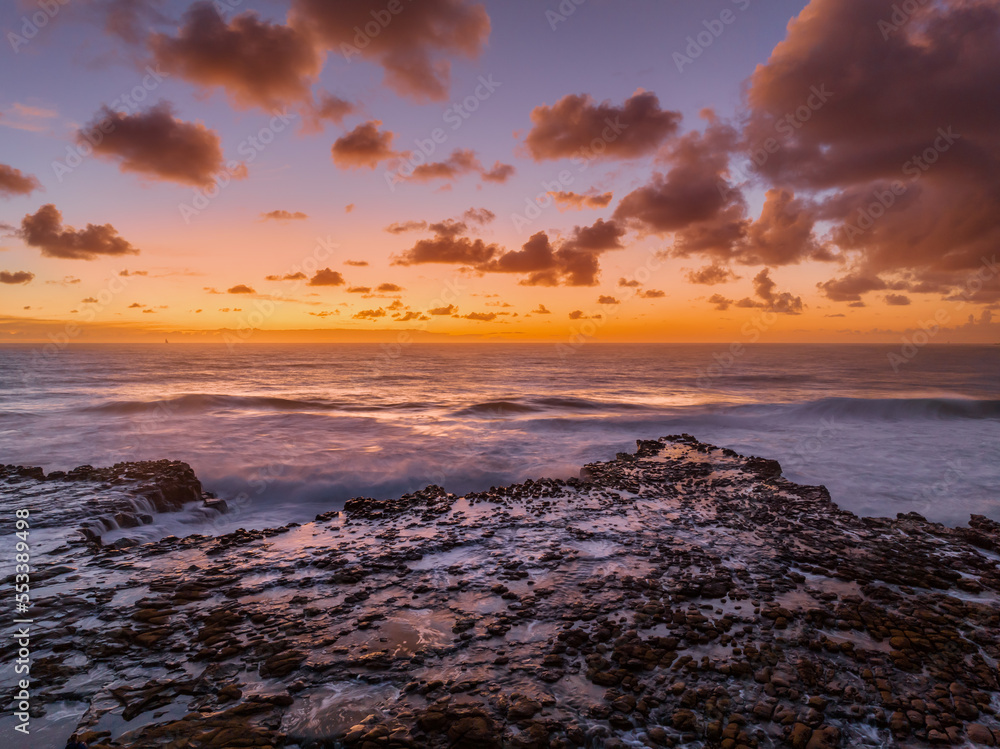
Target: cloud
{"x": 600, "y": 236}
{"x": 897, "y": 300}
{"x": 370, "y": 314}
{"x": 329, "y": 108}
{"x": 16, "y": 277}
{"x": 360, "y": 290}
{"x": 28, "y": 118}
{"x": 687, "y": 199}
{"x": 298, "y": 276}
{"x": 462, "y": 161}
{"x": 480, "y": 216}
{"x": 388, "y": 288}
{"x": 695, "y": 200}
{"x": 985, "y": 319}
{"x": 652, "y": 294}
{"x": 849, "y": 288}
{"x": 548, "y": 266}
{"x": 89, "y": 300}
{"x": 499, "y": 173}
{"x": 711, "y": 275}
{"x": 451, "y": 309}
{"x": 929, "y": 88}
{"x": 541, "y": 310}
{"x": 579, "y": 315}
{"x": 257, "y": 63}
{"x": 770, "y": 299}
{"x": 327, "y": 277}
{"x": 127, "y": 272}
{"x": 136, "y": 305}
{"x": 449, "y": 246}
{"x": 241, "y": 288}
{"x": 357, "y": 263}
{"x": 412, "y": 42}
{"x": 574, "y": 201}
{"x": 481, "y": 316}
{"x": 15, "y": 182}
{"x": 411, "y": 316}
{"x": 575, "y": 262}
{"x": 607, "y": 300}
{"x": 625, "y": 283}
{"x": 721, "y": 303}
{"x": 155, "y": 144}
{"x": 364, "y": 146}
{"x": 577, "y": 126}
{"x": 45, "y": 231}
{"x": 405, "y": 226}
{"x": 783, "y": 234}
{"x": 280, "y": 215}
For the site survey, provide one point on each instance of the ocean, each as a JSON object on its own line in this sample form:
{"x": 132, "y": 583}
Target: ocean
{"x": 285, "y": 431}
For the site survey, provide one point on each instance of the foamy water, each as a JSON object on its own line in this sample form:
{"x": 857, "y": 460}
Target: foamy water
{"x": 285, "y": 431}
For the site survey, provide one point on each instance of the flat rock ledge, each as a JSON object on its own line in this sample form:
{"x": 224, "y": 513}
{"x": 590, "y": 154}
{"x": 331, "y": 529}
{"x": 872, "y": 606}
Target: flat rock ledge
{"x": 96, "y": 500}
{"x": 683, "y": 595}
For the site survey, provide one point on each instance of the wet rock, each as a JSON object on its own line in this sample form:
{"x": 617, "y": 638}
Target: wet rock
{"x": 682, "y": 594}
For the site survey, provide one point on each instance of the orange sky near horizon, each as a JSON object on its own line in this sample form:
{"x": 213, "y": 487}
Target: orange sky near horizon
{"x": 710, "y": 190}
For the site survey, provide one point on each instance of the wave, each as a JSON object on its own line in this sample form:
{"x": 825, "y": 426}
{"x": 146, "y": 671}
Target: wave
{"x": 207, "y": 402}
{"x": 874, "y": 409}
{"x": 583, "y": 404}
{"x": 884, "y": 409}
{"x": 548, "y": 406}
{"x": 497, "y": 408}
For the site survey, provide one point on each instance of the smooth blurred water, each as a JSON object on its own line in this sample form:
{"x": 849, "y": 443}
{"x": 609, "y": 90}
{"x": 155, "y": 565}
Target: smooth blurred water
{"x": 291, "y": 429}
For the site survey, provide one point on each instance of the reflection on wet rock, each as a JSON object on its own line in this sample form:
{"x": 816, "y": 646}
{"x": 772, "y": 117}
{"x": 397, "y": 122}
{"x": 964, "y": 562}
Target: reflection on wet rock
{"x": 680, "y": 596}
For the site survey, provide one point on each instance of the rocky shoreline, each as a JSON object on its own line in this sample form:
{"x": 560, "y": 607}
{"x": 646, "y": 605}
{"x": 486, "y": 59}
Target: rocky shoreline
{"x": 125, "y": 495}
{"x": 683, "y": 595}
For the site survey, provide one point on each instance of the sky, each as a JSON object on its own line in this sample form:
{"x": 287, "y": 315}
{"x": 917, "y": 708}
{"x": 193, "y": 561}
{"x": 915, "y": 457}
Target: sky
{"x": 324, "y": 170}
